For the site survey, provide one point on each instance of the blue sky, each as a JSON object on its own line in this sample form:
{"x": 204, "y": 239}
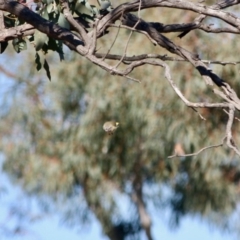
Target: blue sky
{"x": 50, "y": 227}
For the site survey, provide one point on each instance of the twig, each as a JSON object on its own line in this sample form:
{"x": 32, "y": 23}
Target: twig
{"x": 210, "y": 29}
{"x": 2, "y": 26}
{"x": 108, "y": 51}
{"x": 130, "y": 35}
{"x": 182, "y": 97}
{"x": 135, "y": 30}
{"x": 133, "y": 79}
{"x": 93, "y": 44}
{"x": 200, "y": 18}
{"x": 198, "y": 152}
{"x": 225, "y": 97}
{"x": 237, "y": 119}
{"x": 125, "y": 50}
{"x": 157, "y": 56}
{"x": 230, "y": 141}
{"x": 199, "y": 114}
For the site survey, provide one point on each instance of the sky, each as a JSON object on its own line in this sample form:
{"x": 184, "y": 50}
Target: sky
{"x": 50, "y": 226}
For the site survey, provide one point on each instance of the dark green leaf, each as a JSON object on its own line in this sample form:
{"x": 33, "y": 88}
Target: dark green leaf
{"x": 56, "y": 45}
{"x": 46, "y": 67}
{"x": 38, "y": 62}
{"x": 9, "y": 21}
{"x": 3, "y": 46}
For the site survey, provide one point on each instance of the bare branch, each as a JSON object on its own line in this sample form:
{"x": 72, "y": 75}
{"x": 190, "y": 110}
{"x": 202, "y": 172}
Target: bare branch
{"x": 76, "y": 25}
{"x": 43, "y": 25}
{"x": 128, "y": 59}
{"x": 209, "y": 28}
{"x": 19, "y": 31}
{"x": 220, "y": 5}
{"x": 135, "y": 30}
{"x": 107, "y": 54}
{"x": 213, "y": 11}
{"x": 230, "y": 141}
{"x": 198, "y": 152}
{"x": 93, "y": 42}
{"x": 2, "y": 26}
{"x": 130, "y": 35}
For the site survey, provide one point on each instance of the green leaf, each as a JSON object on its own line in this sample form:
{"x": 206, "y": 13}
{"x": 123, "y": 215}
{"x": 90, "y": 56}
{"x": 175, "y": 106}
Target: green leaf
{"x": 95, "y": 10}
{"x": 30, "y": 39}
{"x": 89, "y": 6}
{"x": 46, "y": 67}
{"x": 62, "y": 21}
{"x": 44, "y": 12}
{"x": 84, "y": 8}
{"x": 50, "y": 8}
{"x": 22, "y": 45}
{"x": 38, "y": 62}
{"x": 19, "y": 45}
{"x": 9, "y": 21}
{"x": 105, "y": 4}
{"x": 39, "y": 39}
{"x": 3, "y": 46}
{"x": 49, "y": 2}
{"x": 56, "y": 45}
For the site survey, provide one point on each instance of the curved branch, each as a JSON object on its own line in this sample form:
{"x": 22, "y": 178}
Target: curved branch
{"x": 180, "y": 4}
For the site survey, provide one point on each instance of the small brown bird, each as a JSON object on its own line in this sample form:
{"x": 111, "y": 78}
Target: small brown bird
{"x": 110, "y": 127}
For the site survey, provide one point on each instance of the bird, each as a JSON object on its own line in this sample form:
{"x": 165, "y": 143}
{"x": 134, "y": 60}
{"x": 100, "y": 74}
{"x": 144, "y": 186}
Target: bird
{"x": 110, "y": 127}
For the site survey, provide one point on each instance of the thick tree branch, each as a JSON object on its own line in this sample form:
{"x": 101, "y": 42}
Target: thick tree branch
{"x": 19, "y": 31}
{"x": 43, "y": 25}
{"x": 180, "y": 4}
{"x": 219, "y": 5}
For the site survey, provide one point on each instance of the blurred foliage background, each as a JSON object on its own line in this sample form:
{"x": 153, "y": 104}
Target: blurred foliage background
{"x": 55, "y": 148}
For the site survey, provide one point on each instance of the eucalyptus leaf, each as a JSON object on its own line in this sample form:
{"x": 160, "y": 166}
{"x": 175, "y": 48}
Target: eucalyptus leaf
{"x": 50, "y": 8}
{"x": 83, "y": 7}
{"x": 38, "y": 62}
{"x": 44, "y": 13}
{"x": 19, "y": 45}
{"x": 62, "y": 21}
{"x": 49, "y": 2}
{"x": 39, "y": 39}
{"x": 46, "y": 67}
{"x": 3, "y": 46}
{"x": 56, "y": 45}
